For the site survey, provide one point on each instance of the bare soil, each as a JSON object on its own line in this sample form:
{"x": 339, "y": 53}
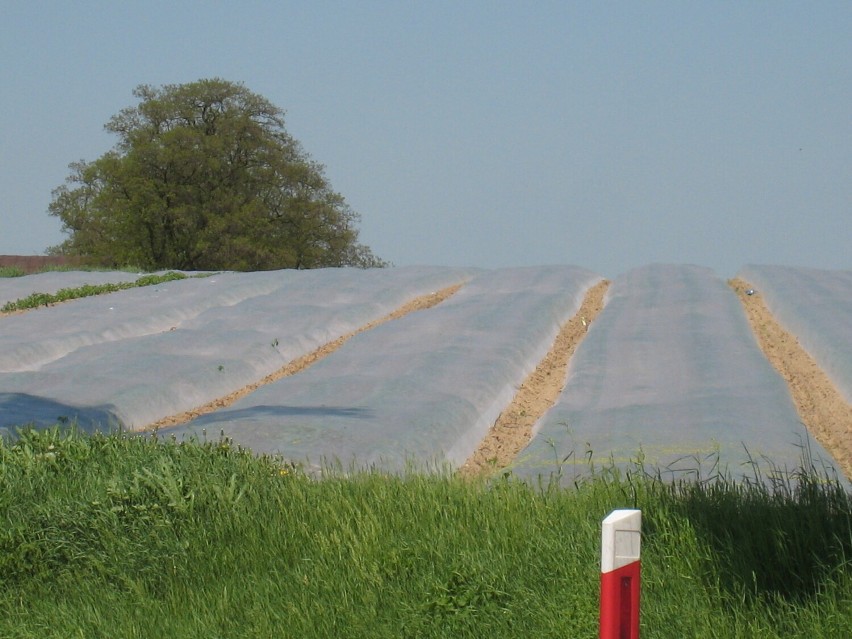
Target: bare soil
{"x": 513, "y": 429}
{"x": 301, "y": 363}
{"x": 821, "y": 407}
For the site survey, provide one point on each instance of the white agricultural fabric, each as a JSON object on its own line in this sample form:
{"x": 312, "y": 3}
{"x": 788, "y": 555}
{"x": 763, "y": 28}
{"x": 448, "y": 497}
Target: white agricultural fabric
{"x": 671, "y": 368}
{"x": 133, "y": 357}
{"x": 816, "y": 306}
{"x": 424, "y": 389}
{"x": 31, "y": 340}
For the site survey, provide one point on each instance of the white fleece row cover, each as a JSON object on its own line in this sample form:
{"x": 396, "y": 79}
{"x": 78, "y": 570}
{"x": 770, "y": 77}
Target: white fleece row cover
{"x": 419, "y": 392}
{"x": 816, "y": 306}
{"x": 136, "y": 356}
{"x": 669, "y": 368}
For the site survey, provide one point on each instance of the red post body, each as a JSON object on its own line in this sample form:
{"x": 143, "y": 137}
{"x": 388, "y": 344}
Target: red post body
{"x": 620, "y": 602}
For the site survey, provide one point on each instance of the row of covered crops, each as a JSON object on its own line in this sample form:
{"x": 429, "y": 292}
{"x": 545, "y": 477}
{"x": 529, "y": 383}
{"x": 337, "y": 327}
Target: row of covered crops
{"x": 669, "y": 372}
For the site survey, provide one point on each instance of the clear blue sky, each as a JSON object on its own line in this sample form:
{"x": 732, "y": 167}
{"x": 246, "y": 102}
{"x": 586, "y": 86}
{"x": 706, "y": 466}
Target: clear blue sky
{"x": 604, "y": 134}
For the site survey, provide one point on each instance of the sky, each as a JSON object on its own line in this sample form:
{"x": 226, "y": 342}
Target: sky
{"x": 609, "y": 135}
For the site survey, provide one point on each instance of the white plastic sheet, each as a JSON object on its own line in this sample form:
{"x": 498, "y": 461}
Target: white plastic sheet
{"x": 424, "y": 389}
{"x": 134, "y": 357}
{"x": 816, "y": 306}
{"x": 31, "y": 340}
{"x": 670, "y": 368}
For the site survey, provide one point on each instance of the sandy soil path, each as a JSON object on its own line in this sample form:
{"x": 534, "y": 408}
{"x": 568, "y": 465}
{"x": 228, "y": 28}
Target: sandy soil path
{"x": 513, "y": 429}
{"x": 822, "y": 409}
{"x": 301, "y": 363}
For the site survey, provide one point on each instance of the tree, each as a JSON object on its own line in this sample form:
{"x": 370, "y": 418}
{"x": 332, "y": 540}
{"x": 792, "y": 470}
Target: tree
{"x": 204, "y": 176}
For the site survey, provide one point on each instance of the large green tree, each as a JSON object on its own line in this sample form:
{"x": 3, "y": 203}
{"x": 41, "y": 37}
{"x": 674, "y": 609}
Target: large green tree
{"x": 205, "y": 176}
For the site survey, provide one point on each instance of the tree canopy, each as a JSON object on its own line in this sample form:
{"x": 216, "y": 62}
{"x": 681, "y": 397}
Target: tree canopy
{"x": 205, "y": 176}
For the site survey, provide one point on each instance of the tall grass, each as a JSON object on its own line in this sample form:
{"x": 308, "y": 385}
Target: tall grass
{"x": 112, "y": 536}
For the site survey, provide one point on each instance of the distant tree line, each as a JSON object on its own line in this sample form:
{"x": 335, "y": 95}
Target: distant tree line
{"x": 205, "y": 176}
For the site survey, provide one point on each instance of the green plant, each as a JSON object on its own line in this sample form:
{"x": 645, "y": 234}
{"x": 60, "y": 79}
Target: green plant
{"x": 87, "y": 290}
{"x": 205, "y": 176}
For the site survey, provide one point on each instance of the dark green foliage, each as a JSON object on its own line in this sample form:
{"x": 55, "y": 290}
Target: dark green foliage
{"x": 205, "y": 177}
{"x": 769, "y": 543}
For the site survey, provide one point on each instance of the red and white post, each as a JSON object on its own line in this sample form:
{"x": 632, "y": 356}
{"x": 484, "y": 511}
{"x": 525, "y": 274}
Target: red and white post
{"x": 621, "y": 535}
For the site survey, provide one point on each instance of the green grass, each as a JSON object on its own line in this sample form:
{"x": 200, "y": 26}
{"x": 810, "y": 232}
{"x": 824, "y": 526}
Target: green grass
{"x": 87, "y": 290}
{"x": 112, "y": 536}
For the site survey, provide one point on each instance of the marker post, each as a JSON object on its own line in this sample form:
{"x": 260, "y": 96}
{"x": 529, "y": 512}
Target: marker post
{"x": 620, "y": 545}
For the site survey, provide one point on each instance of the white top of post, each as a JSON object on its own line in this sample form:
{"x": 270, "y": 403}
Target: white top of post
{"x": 621, "y": 535}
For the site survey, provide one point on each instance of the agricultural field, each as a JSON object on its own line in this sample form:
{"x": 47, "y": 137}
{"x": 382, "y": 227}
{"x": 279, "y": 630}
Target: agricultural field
{"x": 471, "y": 428}
{"x": 413, "y": 367}
{"x": 672, "y": 369}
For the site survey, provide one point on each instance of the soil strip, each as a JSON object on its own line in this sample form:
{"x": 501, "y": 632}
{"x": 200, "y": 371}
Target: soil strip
{"x": 301, "y": 363}
{"x": 539, "y": 391}
{"x": 822, "y": 409}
